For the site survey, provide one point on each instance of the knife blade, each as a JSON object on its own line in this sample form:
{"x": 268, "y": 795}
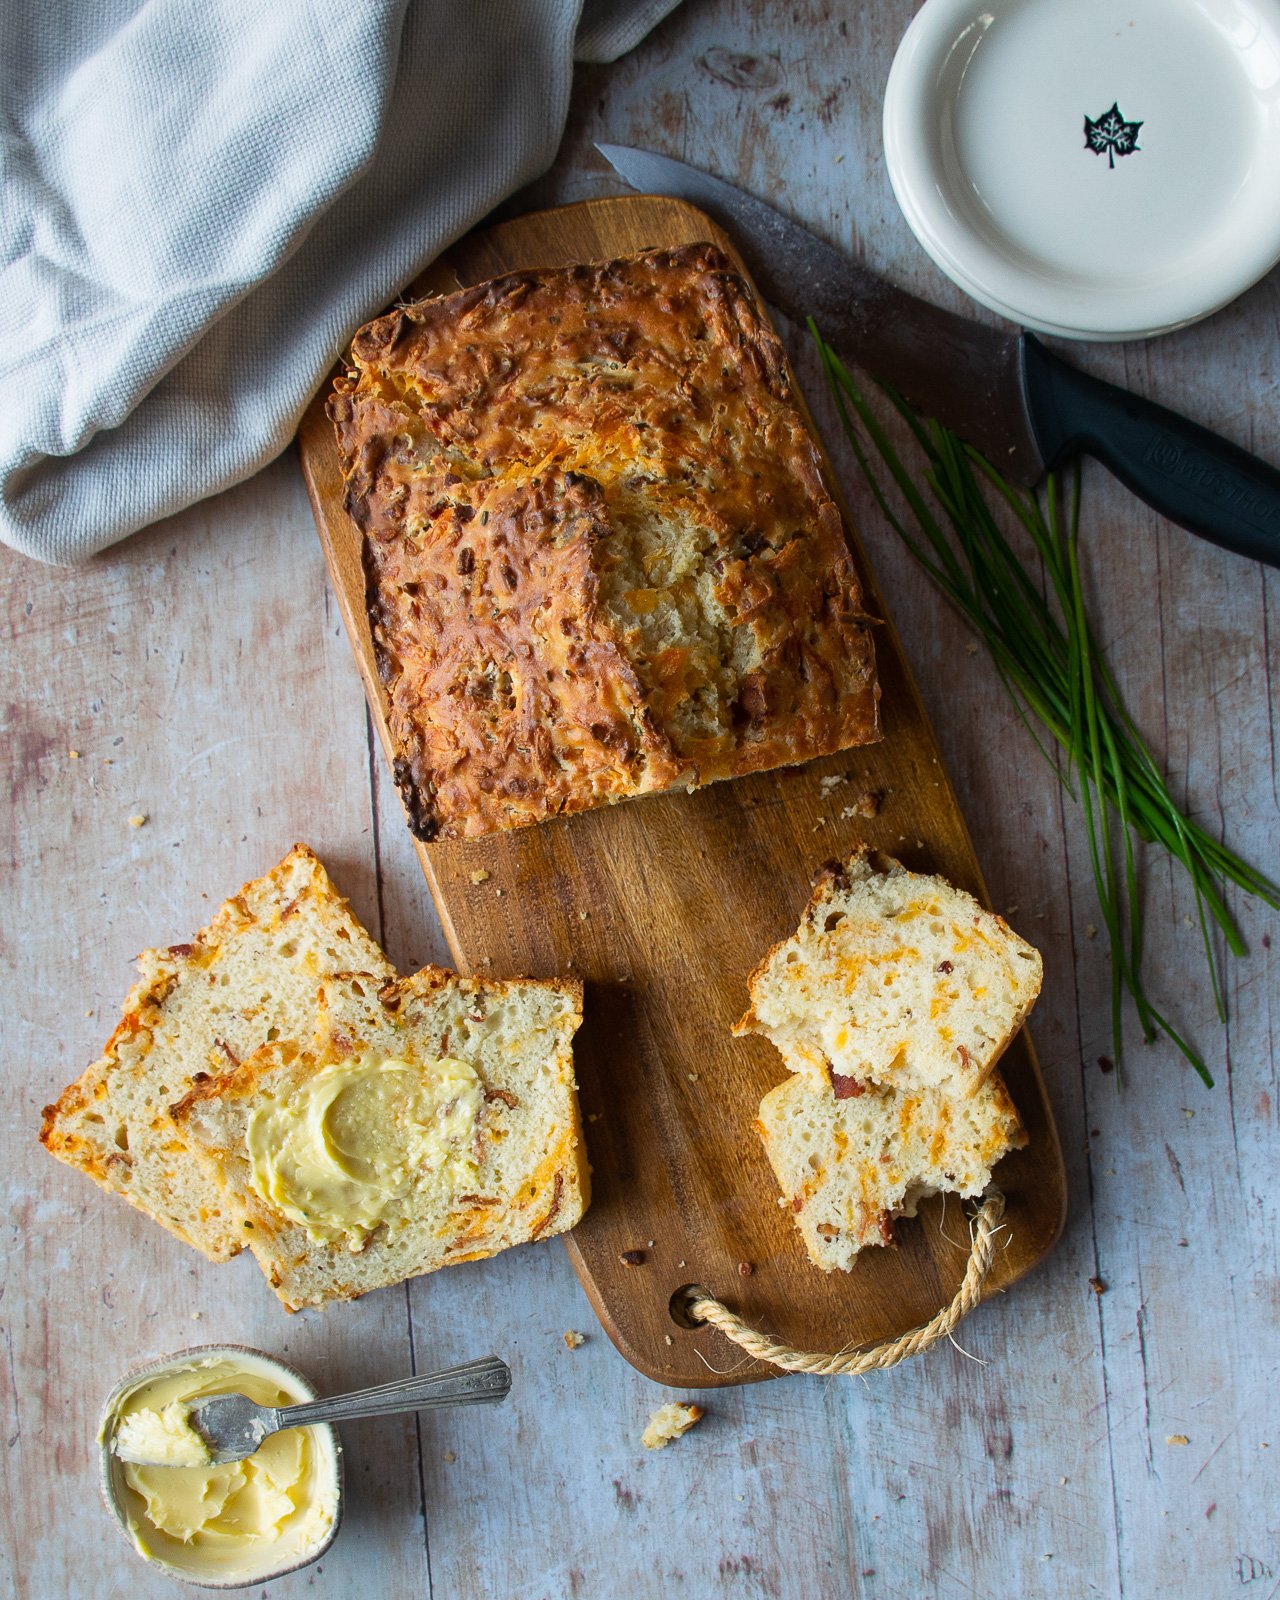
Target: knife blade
{"x": 1011, "y": 397}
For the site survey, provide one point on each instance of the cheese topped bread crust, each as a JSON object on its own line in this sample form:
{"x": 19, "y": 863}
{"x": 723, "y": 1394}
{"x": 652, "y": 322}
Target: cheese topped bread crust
{"x": 199, "y": 1008}
{"x": 601, "y": 559}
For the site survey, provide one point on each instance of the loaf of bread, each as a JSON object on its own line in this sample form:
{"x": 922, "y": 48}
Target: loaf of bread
{"x": 893, "y": 978}
{"x": 848, "y": 1169}
{"x": 601, "y": 560}
{"x": 430, "y": 1120}
{"x": 199, "y": 1009}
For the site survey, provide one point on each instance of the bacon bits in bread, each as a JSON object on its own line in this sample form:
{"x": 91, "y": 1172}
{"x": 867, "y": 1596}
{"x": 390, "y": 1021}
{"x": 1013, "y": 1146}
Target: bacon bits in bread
{"x": 891, "y": 1005}
{"x": 895, "y": 978}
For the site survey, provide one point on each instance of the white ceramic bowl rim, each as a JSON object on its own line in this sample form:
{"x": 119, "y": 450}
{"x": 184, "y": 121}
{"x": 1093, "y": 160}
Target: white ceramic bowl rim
{"x": 109, "y": 1465}
{"x": 946, "y": 206}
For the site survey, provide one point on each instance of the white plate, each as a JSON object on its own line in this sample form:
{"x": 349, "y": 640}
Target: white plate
{"x": 1172, "y": 212}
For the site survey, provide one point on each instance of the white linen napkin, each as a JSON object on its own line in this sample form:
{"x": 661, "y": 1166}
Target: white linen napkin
{"x": 203, "y": 199}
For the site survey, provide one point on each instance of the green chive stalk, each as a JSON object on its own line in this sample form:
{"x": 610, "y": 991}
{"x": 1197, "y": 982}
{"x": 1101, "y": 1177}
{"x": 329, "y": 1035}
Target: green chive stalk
{"x": 1048, "y": 659}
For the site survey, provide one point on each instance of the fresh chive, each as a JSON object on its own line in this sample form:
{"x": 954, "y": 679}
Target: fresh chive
{"x": 1047, "y": 656}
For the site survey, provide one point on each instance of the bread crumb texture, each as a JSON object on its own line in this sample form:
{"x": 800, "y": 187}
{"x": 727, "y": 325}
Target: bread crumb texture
{"x": 895, "y": 979}
{"x": 600, "y": 555}
{"x": 669, "y": 1422}
{"x": 890, "y": 1006}
{"x": 574, "y": 1340}
{"x": 198, "y": 1009}
{"x": 526, "y": 1170}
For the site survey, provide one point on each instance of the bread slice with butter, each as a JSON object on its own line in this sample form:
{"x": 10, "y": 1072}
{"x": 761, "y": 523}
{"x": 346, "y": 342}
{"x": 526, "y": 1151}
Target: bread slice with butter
{"x": 848, "y": 1169}
{"x": 431, "y": 1120}
{"x": 893, "y": 978}
{"x": 198, "y": 1009}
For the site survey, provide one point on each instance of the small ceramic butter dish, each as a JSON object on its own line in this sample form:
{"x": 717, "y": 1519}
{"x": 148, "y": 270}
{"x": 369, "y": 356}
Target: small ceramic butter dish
{"x": 1095, "y": 169}
{"x": 220, "y": 1527}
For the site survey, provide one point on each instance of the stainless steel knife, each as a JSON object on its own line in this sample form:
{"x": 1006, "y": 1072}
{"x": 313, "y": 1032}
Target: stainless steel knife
{"x": 1001, "y": 389}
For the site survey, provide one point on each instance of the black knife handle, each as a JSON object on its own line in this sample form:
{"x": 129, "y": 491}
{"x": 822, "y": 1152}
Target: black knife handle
{"x": 1190, "y": 475}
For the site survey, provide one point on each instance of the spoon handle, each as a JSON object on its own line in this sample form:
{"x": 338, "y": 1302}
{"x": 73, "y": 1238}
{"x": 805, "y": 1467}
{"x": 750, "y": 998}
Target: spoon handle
{"x": 482, "y": 1382}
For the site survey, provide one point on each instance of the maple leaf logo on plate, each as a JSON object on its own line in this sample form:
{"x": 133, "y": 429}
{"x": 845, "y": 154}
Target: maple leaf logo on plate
{"x": 1111, "y": 135}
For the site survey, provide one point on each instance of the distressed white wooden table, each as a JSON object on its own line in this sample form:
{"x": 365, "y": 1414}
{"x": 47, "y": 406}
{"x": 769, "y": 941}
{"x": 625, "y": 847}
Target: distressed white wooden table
{"x": 201, "y": 673}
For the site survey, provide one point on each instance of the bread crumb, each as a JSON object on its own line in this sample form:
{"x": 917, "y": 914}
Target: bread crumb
{"x": 632, "y": 1258}
{"x": 651, "y": 1244}
{"x": 74, "y": 755}
{"x": 480, "y": 876}
{"x": 971, "y": 649}
{"x": 1090, "y": 932}
{"x": 867, "y": 804}
{"x": 594, "y": 1116}
{"x": 745, "y": 1269}
{"x": 668, "y": 1338}
{"x": 574, "y": 1339}
{"x": 668, "y": 1423}
{"x": 498, "y": 892}
{"x": 831, "y": 781}
{"x": 1097, "y": 1285}
{"x": 692, "y": 1077}
{"x": 137, "y": 820}
{"x": 196, "y": 1315}
{"x": 1177, "y": 1438}
{"x": 582, "y": 916}
{"x": 450, "y": 1456}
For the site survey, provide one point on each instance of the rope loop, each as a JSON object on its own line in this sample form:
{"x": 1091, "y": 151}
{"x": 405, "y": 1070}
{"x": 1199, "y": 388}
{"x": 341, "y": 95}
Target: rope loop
{"x": 704, "y": 1307}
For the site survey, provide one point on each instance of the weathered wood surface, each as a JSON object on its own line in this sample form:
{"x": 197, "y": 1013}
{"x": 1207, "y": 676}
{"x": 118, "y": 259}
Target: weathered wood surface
{"x": 663, "y": 910}
{"x": 208, "y": 647}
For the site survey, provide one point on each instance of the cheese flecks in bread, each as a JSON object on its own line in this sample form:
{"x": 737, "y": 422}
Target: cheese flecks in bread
{"x": 893, "y": 978}
{"x": 601, "y": 560}
{"x": 890, "y": 1005}
{"x": 200, "y": 1008}
{"x": 494, "y": 1158}
{"x": 849, "y": 1168}
{"x": 669, "y": 1422}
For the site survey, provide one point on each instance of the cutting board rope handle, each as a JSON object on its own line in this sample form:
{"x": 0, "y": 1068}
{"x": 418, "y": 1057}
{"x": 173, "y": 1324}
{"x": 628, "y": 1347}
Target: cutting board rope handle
{"x": 986, "y": 1225}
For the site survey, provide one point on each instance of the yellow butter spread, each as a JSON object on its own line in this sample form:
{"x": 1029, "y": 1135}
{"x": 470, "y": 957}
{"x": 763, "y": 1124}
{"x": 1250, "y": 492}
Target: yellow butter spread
{"x": 342, "y": 1154}
{"x": 249, "y": 1518}
{"x": 161, "y": 1437}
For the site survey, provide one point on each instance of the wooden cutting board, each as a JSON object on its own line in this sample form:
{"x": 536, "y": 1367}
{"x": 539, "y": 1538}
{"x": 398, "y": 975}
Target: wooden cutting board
{"x": 663, "y": 906}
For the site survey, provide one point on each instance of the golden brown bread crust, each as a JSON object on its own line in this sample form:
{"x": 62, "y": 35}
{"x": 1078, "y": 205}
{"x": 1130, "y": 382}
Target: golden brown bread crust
{"x": 601, "y": 560}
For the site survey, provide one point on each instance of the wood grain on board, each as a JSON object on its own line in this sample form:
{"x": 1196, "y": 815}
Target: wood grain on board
{"x": 663, "y": 907}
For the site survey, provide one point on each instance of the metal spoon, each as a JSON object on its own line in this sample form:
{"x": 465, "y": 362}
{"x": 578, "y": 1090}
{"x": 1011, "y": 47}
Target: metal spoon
{"x": 233, "y": 1426}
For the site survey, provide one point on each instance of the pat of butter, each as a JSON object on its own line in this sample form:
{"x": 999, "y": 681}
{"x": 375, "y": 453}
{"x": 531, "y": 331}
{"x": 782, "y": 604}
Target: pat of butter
{"x": 344, "y": 1154}
{"x": 160, "y": 1438}
{"x": 247, "y": 1519}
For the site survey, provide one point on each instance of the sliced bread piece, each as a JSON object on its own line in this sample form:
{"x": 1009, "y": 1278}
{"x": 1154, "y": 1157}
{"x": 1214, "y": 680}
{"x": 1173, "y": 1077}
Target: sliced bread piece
{"x": 893, "y": 978}
{"x": 849, "y": 1168}
{"x": 199, "y": 1008}
{"x": 432, "y": 1120}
